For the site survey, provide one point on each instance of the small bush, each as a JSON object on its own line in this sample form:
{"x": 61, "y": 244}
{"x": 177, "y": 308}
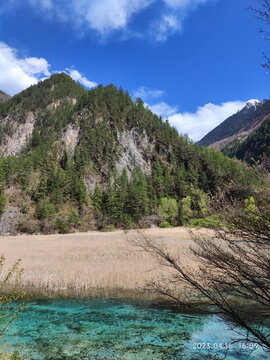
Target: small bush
{"x": 210, "y": 222}
{"x": 44, "y": 209}
{"x": 186, "y": 211}
{"x": 24, "y": 209}
{"x": 127, "y": 224}
{"x": 48, "y": 226}
{"x": 168, "y": 209}
{"x": 2, "y": 202}
{"x": 13, "y": 301}
{"x": 73, "y": 218}
{"x": 29, "y": 226}
{"x": 164, "y": 224}
{"x": 108, "y": 228}
{"x": 62, "y": 227}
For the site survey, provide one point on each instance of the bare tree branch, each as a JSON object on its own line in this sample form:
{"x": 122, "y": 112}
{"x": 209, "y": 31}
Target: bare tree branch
{"x": 233, "y": 275}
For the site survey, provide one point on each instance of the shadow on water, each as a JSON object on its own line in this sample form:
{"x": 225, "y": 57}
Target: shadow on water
{"x": 114, "y": 329}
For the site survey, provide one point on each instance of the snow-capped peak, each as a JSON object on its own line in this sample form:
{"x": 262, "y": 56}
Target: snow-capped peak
{"x": 250, "y": 103}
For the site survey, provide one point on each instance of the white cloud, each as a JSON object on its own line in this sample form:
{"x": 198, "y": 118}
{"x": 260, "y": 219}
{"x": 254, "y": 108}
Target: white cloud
{"x": 45, "y": 4}
{"x": 168, "y": 24}
{"x": 146, "y": 94}
{"x": 206, "y": 118}
{"x": 107, "y": 16}
{"x": 33, "y": 66}
{"x": 77, "y": 76}
{"x": 17, "y": 74}
{"x": 183, "y": 4}
{"x": 163, "y": 109}
{"x": 173, "y": 16}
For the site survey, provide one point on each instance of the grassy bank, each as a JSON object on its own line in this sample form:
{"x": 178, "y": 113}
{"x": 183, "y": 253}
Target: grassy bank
{"x": 91, "y": 264}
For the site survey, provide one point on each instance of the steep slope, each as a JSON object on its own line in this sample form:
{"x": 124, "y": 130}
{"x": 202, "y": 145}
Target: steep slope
{"x": 238, "y": 126}
{"x": 4, "y": 96}
{"x": 255, "y": 148}
{"x": 77, "y": 159}
{"x": 19, "y": 114}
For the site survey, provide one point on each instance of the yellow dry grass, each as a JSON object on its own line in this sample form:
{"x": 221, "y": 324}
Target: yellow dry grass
{"x": 90, "y": 262}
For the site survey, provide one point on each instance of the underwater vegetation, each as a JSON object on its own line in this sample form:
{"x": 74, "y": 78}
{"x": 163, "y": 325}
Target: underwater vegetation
{"x": 114, "y": 329}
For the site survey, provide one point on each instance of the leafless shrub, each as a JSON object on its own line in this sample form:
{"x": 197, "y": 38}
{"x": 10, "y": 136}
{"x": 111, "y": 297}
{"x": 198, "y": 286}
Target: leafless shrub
{"x": 263, "y": 14}
{"x": 232, "y": 278}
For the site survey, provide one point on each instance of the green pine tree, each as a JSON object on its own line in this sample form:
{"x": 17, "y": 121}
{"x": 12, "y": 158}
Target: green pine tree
{"x": 97, "y": 198}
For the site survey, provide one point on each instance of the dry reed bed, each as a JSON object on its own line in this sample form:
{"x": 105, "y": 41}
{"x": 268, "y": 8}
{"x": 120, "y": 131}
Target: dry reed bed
{"x": 92, "y": 261}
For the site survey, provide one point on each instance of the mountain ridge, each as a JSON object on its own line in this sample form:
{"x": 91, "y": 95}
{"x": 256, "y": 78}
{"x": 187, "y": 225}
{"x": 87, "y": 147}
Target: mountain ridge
{"x": 79, "y": 159}
{"x": 238, "y": 126}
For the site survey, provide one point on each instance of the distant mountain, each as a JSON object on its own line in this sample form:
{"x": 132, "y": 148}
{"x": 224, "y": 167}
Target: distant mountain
{"x": 4, "y": 96}
{"x": 77, "y": 159}
{"x": 238, "y": 126}
{"x": 244, "y": 135}
{"x": 255, "y": 148}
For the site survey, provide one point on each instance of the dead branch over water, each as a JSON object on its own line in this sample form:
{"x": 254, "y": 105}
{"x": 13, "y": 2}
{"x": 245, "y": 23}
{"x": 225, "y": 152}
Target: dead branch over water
{"x": 232, "y": 270}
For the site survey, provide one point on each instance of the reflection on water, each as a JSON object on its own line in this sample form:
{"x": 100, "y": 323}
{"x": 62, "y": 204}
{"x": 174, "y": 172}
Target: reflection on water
{"x": 108, "y": 329}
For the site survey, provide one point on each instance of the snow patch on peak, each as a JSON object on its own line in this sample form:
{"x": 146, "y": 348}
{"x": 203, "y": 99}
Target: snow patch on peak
{"x": 253, "y": 101}
{"x": 250, "y": 103}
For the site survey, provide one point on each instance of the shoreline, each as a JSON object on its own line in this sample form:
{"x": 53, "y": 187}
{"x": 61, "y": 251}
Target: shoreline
{"x": 92, "y": 294}
{"x": 180, "y": 232}
{"x": 131, "y": 297}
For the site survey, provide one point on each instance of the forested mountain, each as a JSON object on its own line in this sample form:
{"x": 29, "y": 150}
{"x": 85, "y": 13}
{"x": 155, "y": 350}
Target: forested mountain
{"x": 78, "y": 159}
{"x": 238, "y": 126}
{"x": 255, "y": 148}
{"x": 244, "y": 135}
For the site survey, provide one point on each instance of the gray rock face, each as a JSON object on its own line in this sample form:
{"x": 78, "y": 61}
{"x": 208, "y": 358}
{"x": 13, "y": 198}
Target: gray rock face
{"x": 9, "y": 220}
{"x": 90, "y": 183}
{"x": 22, "y": 132}
{"x": 151, "y": 221}
{"x": 134, "y": 151}
{"x": 14, "y": 144}
{"x": 71, "y": 137}
{"x": 54, "y": 105}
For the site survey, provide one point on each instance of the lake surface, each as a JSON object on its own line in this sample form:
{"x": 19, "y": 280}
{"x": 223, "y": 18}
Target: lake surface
{"x": 112, "y": 329}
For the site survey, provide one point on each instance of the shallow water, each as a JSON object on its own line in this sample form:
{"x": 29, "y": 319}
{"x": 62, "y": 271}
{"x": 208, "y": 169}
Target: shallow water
{"x": 109, "y": 329}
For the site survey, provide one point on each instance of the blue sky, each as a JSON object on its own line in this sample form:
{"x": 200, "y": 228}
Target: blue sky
{"x": 193, "y": 61}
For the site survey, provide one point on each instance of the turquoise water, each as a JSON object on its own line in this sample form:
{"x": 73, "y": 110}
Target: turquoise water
{"x": 109, "y": 329}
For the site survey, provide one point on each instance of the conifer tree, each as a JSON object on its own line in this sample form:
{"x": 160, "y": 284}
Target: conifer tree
{"x": 158, "y": 178}
{"x": 97, "y": 198}
{"x": 138, "y": 194}
{"x": 181, "y": 186}
{"x": 2, "y": 200}
{"x": 122, "y": 188}
{"x": 112, "y": 204}
{"x": 41, "y": 191}
{"x": 80, "y": 192}
{"x": 57, "y": 185}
